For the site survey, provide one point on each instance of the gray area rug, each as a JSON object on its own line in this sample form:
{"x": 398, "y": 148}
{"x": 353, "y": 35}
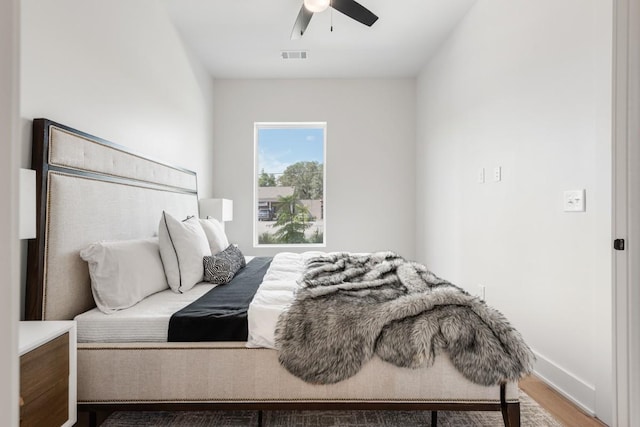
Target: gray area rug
{"x": 532, "y": 415}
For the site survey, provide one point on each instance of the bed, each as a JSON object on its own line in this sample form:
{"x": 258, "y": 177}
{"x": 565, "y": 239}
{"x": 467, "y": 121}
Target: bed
{"x": 90, "y": 189}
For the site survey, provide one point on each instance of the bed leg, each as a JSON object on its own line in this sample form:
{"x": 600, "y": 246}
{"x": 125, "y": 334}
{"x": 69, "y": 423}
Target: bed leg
{"x": 93, "y": 419}
{"x": 259, "y": 418}
{"x": 510, "y": 411}
{"x": 511, "y": 415}
{"x": 434, "y": 418}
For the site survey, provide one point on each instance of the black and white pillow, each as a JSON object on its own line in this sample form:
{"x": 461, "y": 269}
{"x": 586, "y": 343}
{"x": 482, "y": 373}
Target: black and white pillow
{"x": 221, "y": 268}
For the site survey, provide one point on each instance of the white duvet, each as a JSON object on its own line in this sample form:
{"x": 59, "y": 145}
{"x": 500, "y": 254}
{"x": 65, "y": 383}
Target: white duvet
{"x": 275, "y": 294}
{"x": 148, "y": 321}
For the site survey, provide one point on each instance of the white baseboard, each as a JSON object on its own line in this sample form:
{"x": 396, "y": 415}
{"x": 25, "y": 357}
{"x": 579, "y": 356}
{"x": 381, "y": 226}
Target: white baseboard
{"x": 566, "y": 383}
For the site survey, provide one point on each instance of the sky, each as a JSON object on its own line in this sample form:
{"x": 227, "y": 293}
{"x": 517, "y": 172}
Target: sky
{"x": 281, "y": 147}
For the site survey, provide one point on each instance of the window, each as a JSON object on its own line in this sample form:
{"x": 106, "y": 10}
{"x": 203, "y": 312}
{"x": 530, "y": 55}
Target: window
{"x": 289, "y": 184}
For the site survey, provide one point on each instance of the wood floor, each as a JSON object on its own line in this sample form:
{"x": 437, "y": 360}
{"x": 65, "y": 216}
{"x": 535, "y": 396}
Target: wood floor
{"x": 557, "y": 405}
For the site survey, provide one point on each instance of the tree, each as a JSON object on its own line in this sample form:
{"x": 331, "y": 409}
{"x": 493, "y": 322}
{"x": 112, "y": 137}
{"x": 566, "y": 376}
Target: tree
{"x": 306, "y": 178}
{"x": 266, "y": 179}
{"x": 292, "y": 220}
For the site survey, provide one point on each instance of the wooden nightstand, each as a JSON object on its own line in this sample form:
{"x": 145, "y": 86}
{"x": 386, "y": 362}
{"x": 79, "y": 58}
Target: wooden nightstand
{"x": 48, "y": 385}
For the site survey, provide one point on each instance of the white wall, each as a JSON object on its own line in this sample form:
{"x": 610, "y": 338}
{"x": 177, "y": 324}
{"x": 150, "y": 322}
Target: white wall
{"x": 117, "y": 70}
{"x": 9, "y": 253}
{"x": 526, "y": 86}
{"x": 370, "y": 155}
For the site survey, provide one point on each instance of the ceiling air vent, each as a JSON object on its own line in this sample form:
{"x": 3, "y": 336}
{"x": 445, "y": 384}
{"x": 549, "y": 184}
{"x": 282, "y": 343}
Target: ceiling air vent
{"x": 294, "y": 54}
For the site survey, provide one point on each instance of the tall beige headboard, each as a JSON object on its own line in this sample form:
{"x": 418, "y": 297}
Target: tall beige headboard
{"x": 89, "y": 190}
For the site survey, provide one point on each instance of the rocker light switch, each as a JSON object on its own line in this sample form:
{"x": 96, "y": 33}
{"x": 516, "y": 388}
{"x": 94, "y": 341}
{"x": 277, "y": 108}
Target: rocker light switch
{"x": 574, "y": 201}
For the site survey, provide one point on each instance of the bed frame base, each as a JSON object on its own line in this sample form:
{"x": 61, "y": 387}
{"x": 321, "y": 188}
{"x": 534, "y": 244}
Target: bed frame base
{"x": 510, "y": 410}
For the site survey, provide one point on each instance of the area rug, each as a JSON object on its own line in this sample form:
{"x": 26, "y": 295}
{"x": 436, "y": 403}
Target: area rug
{"x": 531, "y": 414}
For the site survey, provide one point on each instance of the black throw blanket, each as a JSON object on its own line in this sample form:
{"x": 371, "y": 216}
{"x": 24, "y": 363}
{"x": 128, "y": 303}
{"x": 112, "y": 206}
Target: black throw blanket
{"x": 221, "y": 313}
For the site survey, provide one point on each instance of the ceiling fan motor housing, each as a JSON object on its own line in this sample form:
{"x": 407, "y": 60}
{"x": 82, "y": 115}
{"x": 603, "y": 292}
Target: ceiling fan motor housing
{"x": 317, "y": 5}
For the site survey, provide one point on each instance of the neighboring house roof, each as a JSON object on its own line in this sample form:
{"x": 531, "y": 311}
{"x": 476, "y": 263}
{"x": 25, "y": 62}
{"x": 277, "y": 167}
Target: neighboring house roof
{"x": 271, "y": 194}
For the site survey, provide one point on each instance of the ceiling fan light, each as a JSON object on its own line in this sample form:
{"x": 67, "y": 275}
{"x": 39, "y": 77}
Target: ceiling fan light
{"x": 317, "y": 5}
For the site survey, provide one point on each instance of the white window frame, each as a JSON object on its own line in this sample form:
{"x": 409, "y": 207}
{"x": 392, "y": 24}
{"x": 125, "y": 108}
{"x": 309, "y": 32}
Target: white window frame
{"x": 256, "y": 174}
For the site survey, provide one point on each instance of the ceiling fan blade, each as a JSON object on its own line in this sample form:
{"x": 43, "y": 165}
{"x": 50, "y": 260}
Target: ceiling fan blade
{"x": 355, "y": 11}
{"x": 304, "y": 17}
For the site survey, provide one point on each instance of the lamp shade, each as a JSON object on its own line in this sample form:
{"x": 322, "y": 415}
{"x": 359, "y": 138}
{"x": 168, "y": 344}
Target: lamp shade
{"x": 27, "y": 206}
{"x": 220, "y": 209}
{"x": 317, "y": 5}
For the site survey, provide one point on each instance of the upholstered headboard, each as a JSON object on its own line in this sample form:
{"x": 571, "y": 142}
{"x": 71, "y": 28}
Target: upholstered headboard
{"x": 89, "y": 190}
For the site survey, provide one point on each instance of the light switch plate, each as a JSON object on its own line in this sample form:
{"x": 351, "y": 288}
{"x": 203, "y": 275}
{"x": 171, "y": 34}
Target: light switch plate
{"x": 574, "y": 201}
{"x": 497, "y": 174}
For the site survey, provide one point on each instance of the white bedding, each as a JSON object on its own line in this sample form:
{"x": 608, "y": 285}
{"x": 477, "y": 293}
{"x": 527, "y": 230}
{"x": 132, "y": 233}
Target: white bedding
{"x": 148, "y": 320}
{"x": 274, "y": 296}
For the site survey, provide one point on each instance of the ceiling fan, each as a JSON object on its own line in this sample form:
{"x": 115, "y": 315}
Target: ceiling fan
{"x": 351, "y": 8}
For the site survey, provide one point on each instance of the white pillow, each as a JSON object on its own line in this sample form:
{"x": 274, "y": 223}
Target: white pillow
{"x": 183, "y": 245}
{"x": 124, "y": 273}
{"x": 216, "y": 236}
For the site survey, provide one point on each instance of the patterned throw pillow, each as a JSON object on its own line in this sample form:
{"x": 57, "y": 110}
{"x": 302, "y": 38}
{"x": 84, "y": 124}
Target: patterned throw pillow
{"x": 221, "y": 268}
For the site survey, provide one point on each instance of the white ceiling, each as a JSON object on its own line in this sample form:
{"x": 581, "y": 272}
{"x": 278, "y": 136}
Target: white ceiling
{"x": 244, "y": 38}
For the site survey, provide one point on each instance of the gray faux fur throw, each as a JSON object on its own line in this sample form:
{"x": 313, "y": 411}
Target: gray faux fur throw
{"x": 352, "y": 306}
